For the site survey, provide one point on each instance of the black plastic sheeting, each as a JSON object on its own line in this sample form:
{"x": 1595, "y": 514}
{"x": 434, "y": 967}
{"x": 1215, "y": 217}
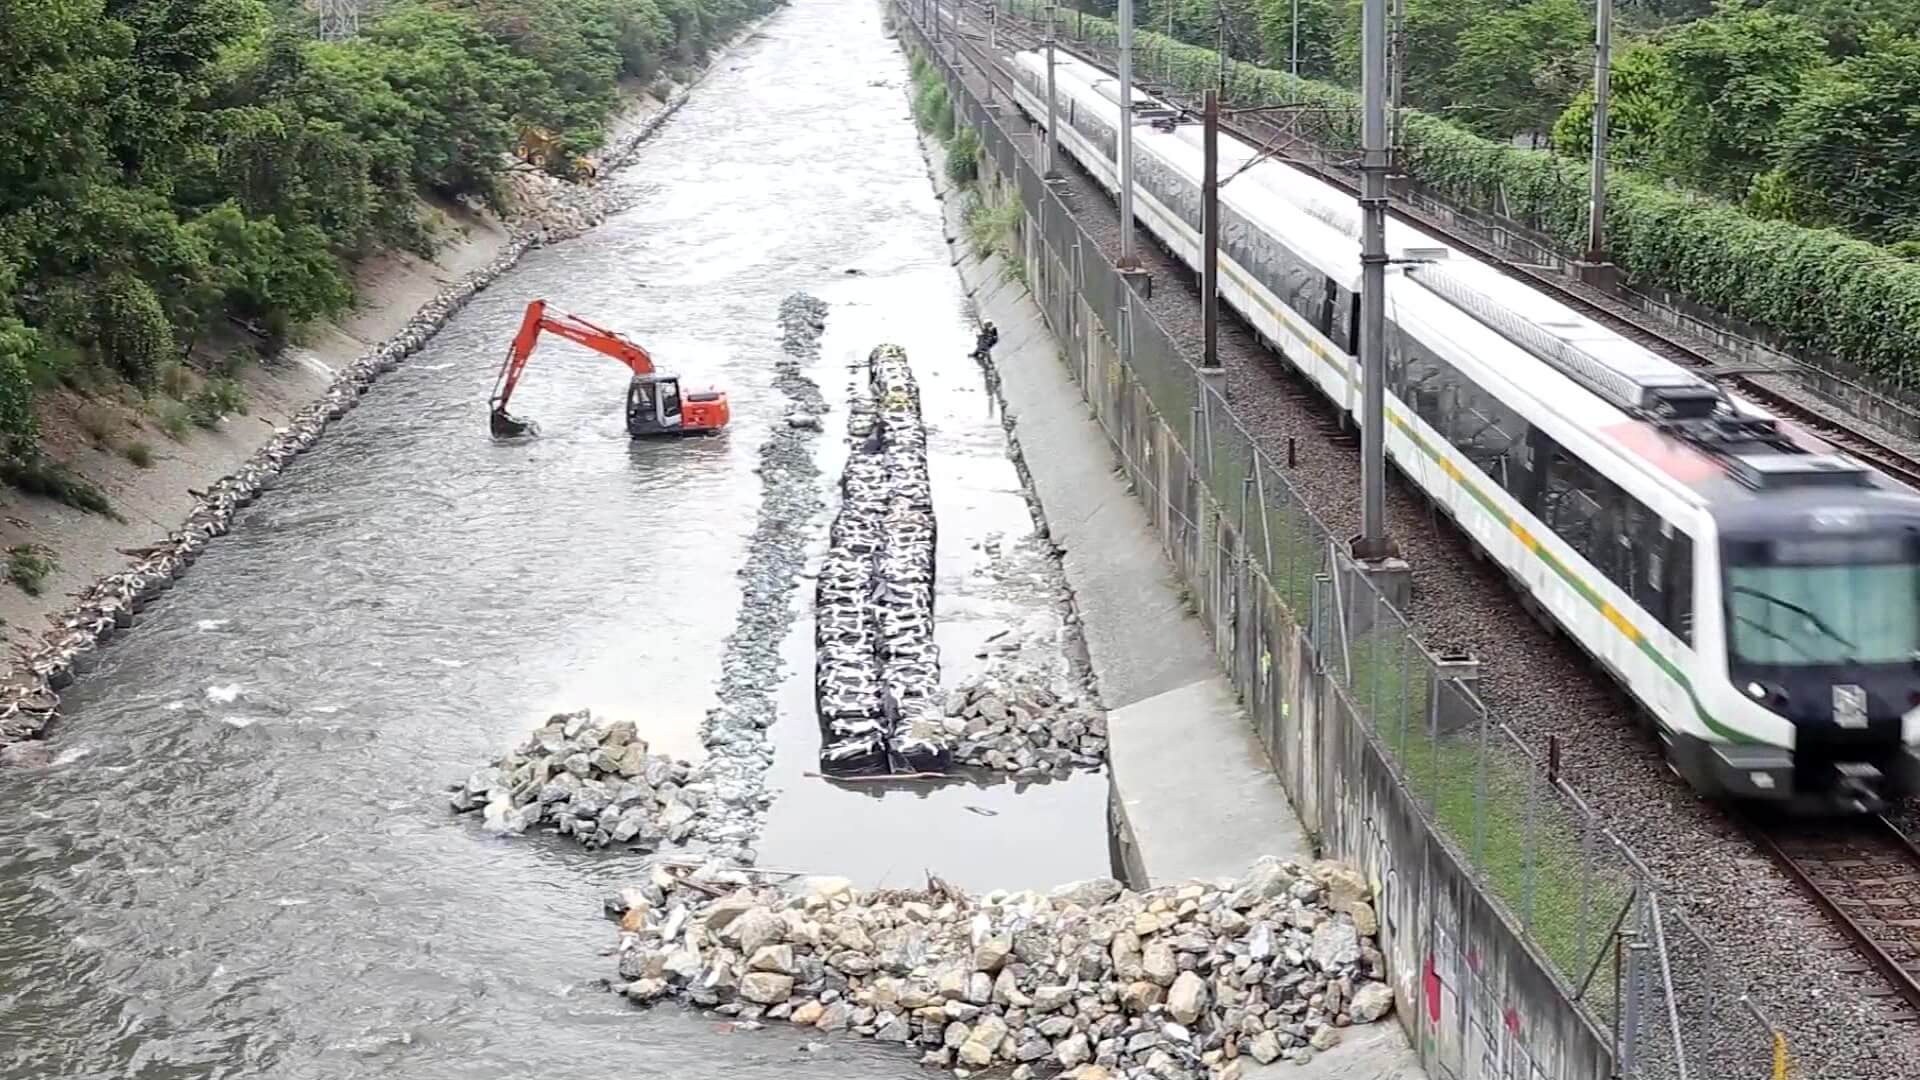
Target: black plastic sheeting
{"x": 876, "y": 668}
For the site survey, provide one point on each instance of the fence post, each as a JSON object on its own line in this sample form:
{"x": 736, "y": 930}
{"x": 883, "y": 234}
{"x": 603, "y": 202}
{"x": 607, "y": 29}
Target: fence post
{"x": 1406, "y": 706}
{"x": 1479, "y": 790}
{"x": 1530, "y": 846}
{"x": 1586, "y": 883}
{"x": 1630, "y": 1019}
{"x": 1373, "y": 668}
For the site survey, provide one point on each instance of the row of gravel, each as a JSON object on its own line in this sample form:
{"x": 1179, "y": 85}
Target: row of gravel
{"x": 1762, "y": 930}
{"x": 550, "y": 211}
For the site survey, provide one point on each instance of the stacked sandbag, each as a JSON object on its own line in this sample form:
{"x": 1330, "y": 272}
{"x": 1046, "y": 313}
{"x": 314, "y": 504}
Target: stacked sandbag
{"x": 903, "y": 600}
{"x": 877, "y": 670}
{"x": 847, "y": 694}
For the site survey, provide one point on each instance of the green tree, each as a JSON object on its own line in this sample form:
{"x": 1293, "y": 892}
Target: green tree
{"x": 1640, "y": 112}
{"x": 1848, "y": 24}
{"x": 460, "y": 92}
{"x": 1514, "y": 70}
{"x": 1850, "y": 148}
{"x": 169, "y": 70}
{"x": 1432, "y": 32}
{"x": 18, "y": 343}
{"x": 1318, "y": 39}
{"x": 1736, "y": 73}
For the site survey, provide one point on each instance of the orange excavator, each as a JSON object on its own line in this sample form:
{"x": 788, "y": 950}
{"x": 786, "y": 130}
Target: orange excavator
{"x": 655, "y": 403}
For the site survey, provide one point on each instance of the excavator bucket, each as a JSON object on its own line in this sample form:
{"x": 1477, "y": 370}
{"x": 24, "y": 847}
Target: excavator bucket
{"x": 507, "y": 426}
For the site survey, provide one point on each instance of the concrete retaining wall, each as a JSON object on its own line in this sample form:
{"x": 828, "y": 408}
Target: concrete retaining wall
{"x": 1475, "y": 999}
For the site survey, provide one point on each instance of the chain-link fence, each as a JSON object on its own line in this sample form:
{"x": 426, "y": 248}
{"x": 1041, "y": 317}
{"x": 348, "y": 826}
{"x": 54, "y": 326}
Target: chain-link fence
{"x": 1262, "y": 570}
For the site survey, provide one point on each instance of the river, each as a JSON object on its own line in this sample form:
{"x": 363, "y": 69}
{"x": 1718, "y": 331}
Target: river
{"x": 244, "y": 866}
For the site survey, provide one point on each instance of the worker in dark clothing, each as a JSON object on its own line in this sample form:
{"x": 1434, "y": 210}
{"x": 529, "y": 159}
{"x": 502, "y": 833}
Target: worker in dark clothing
{"x": 983, "y": 343}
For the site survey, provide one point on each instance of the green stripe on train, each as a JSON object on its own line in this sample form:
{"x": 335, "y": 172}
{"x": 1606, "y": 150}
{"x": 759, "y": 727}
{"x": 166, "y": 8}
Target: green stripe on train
{"x": 1580, "y": 586}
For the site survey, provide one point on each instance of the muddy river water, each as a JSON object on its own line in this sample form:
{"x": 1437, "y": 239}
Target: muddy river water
{"x": 244, "y": 866}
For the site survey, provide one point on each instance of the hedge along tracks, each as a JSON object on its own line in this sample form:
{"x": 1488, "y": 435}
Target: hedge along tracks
{"x": 1799, "y": 404}
{"x": 1865, "y": 874}
{"x": 29, "y": 690}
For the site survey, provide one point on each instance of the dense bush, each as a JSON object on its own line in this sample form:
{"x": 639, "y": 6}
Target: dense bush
{"x": 166, "y": 165}
{"x": 1823, "y": 292}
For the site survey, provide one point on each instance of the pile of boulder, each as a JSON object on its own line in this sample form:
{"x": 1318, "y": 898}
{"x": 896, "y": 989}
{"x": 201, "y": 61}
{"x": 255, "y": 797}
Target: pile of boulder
{"x": 876, "y": 667}
{"x": 1092, "y": 979}
{"x": 1021, "y": 722}
{"x": 595, "y": 782}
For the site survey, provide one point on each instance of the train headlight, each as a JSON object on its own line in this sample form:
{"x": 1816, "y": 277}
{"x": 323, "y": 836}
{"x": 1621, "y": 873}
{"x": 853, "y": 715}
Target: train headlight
{"x": 1758, "y": 692}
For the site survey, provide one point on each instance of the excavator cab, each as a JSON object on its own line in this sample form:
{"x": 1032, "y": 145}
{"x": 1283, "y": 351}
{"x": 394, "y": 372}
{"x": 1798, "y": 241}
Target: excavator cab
{"x": 656, "y": 404}
{"x": 653, "y": 405}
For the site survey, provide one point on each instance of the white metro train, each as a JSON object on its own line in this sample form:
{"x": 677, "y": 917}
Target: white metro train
{"x": 1756, "y": 591}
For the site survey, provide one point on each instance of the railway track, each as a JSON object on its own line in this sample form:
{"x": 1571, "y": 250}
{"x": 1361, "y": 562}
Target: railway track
{"x": 1865, "y": 873}
{"x": 1594, "y": 303}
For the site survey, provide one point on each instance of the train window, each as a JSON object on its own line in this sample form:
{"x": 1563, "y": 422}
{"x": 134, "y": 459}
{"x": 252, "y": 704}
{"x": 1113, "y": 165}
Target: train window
{"x": 1483, "y": 428}
{"x": 1568, "y": 502}
{"x": 1427, "y": 381}
{"x": 1677, "y": 613}
{"x": 1339, "y": 303}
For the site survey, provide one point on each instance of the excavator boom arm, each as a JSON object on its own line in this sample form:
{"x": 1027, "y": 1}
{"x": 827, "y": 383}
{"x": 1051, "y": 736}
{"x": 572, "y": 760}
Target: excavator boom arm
{"x": 574, "y": 329}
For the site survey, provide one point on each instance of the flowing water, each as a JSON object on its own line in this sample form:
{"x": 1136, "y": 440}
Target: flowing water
{"x": 243, "y": 865}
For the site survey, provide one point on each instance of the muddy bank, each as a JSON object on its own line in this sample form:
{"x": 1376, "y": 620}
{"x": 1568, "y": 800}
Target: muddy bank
{"x": 229, "y": 469}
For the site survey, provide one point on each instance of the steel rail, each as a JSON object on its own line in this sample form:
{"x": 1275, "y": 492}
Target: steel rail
{"x": 1816, "y": 855}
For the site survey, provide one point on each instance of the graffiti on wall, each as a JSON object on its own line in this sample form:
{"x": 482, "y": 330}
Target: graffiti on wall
{"x": 1466, "y": 1025}
{"x": 1468, "y": 1020}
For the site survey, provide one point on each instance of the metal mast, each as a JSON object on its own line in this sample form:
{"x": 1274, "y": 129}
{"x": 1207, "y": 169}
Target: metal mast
{"x": 1373, "y": 542}
{"x": 1128, "y": 260}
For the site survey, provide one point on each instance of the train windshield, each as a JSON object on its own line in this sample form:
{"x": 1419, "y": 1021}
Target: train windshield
{"x": 1824, "y": 600}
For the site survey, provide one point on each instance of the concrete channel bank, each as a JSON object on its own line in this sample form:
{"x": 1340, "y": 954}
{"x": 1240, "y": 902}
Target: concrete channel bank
{"x": 1194, "y": 774}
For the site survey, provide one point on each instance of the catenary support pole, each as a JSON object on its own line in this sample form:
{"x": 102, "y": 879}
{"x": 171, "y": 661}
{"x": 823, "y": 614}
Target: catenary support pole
{"x": 1373, "y": 542}
{"x": 1220, "y": 46}
{"x": 1293, "y": 54}
{"x": 1128, "y": 260}
{"x": 1396, "y": 76}
{"x": 1293, "y": 67}
{"x": 1602, "y": 88}
{"x": 1210, "y": 232}
{"x": 1053, "y": 123}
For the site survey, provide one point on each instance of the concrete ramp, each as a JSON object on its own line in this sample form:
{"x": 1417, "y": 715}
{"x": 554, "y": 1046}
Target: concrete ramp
{"x": 1193, "y": 787}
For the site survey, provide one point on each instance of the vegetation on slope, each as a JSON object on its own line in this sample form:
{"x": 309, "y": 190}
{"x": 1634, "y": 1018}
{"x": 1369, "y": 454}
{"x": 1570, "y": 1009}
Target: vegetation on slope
{"x": 168, "y": 167}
